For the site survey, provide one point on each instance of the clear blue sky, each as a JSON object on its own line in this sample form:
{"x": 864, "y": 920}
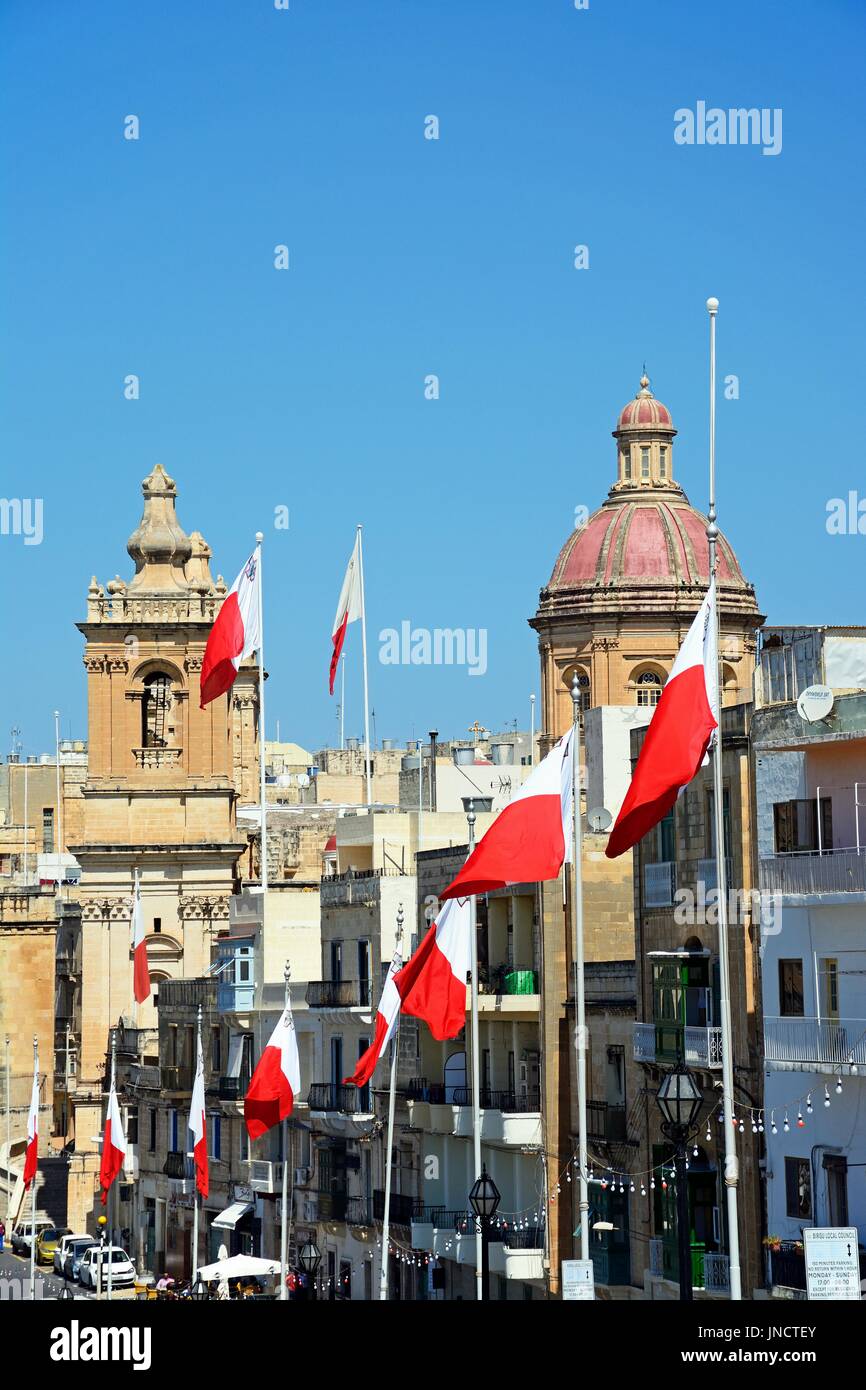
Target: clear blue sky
{"x": 409, "y": 257}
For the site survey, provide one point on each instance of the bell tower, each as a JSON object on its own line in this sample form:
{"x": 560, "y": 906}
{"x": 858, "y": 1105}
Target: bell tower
{"x": 161, "y": 788}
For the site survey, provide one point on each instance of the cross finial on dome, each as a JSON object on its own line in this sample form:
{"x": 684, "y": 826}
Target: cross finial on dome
{"x": 644, "y": 382}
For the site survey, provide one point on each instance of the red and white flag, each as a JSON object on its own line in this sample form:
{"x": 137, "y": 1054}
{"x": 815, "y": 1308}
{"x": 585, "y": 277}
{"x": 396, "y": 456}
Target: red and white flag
{"x": 531, "y": 837}
{"x": 113, "y": 1145}
{"x": 386, "y": 1021}
{"x": 198, "y": 1125}
{"x": 276, "y": 1080}
{"x": 140, "y": 971}
{"x": 236, "y": 634}
{"x": 432, "y": 983}
{"x": 678, "y": 735}
{"x": 348, "y": 609}
{"x": 31, "y": 1156}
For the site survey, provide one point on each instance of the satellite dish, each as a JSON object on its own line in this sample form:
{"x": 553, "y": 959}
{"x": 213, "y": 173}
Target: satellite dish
{"x": 599, "y": 819}
{"x": 815, "y": 703}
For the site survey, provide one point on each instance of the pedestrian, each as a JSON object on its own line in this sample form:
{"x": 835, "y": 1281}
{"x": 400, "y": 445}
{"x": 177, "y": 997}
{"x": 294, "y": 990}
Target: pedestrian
{"x": 2, "y": 1235}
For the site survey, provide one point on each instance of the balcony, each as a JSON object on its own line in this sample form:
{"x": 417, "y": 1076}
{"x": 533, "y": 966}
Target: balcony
{"x": 793, "y": 1044}
{"x": 400, "y": 1209}
{"x": 338, "y": 994}
{"x": 788, "y": 1265}
{"x": 510, "y": 1102}
{"x": 659, "y": 1043}
{"x": 346, "y": 1100}
{"x": 231, "y": 1088}
{"x": 358, "y": 1212}
{"x": 332, "y": 1205}
{"x": 606, "y": 1122}
{"x": 659, "y": 884}
{"x": 710, "y": 1269}
{"x": 708, "y": 876}
{"x": 834, "y": 871}
{"x": 157, "y": 757}
{"x": 177, "y": 1165}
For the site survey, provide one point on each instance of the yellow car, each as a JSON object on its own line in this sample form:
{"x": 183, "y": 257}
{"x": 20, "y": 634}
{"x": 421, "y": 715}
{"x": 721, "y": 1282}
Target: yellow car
{"x": 47, "y": 1242}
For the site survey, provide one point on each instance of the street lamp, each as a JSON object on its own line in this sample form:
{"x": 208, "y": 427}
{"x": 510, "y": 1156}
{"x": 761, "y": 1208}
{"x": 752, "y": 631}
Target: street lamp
{"x": 199, "y": 1290}
{"x": 309, "y": 1258}
{"x": 679, "y": 1099}
{"x": 484, "y": 1200}
{"x": 100, "y": 1221}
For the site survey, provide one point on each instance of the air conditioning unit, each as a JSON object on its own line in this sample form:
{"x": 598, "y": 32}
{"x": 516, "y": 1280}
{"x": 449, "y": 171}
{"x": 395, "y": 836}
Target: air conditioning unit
{"x": 311, "y": 1207}
{"x": 263, "y": 1175}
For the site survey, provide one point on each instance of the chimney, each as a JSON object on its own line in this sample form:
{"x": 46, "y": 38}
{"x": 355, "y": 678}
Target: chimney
{"x": 434, "y": 734}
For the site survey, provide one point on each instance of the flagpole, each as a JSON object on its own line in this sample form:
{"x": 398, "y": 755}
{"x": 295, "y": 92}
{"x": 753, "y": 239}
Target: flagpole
{"x": 263, "y": 851}
{"x": 731, "y": 1160}
{"x": 35, "y": 1176}
{"x": 111, "y": 1188}
{"x": 195, "y": 1192}
{"x": 579, "y": 986}
{"x": 392, "y": 1105}
{"x": 364, "y": 655}
{"x": 476, "y": 1060}
{"x": 284, "y": 1223}
{"x": 342, "y": 701}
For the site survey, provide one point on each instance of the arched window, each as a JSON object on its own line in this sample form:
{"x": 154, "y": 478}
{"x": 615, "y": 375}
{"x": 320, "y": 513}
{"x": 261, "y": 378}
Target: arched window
{"x": 585, "y": 690}
{"x": 649, "y": 688}
{"x": 155, "y": 712}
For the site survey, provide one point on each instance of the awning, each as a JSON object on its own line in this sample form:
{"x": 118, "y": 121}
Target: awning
{"x": 228, "y": 1219}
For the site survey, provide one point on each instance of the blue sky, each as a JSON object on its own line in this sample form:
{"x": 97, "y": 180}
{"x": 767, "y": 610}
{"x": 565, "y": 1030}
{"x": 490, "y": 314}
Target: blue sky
{"x": 409, "y": 257}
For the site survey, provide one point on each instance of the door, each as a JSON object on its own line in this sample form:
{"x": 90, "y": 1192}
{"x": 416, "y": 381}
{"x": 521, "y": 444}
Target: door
{"x": 364, "y": 974}
{"x": 828, "y": 973}
{"x": 836, "y": 1168}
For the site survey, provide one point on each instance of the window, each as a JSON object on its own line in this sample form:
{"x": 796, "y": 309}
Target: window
{"x": 157, "y": 925}
{"x": 132, "y": 1126}
{"x": 791, "y": 988}
{"x": 215, "y": 1051}
{"x": 151, "y": 1138}
{"x": 649, "y": 688}
{"x": 615, "y": 1076}
{"x": 645, "y": 463}
{"x": 336, "y": 1061}
{"x": 172, "y": 1130}
{"x": 585, "y": 689}
{"x": 336, "y": 960}
{"x": 663, "y": 462}
{"x": 836, "y": 1168}
{"x": 798, "y": 1189}
{"x": 828, "y": 974}
{"x": 364, "y": 973}
{"x": 626, "y": 465}
{"x": 665, "y": 839}
{"x": 216, "y": 1138}
{"x": 155, "y": 710}
{"x": 47, "y": 829}
{"x": 244, "y": 1143}
{"x": 796, "y": 825}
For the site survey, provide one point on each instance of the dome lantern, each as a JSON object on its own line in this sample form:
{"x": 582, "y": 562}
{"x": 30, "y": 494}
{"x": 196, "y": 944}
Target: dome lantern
{"x": 644, "y": 434}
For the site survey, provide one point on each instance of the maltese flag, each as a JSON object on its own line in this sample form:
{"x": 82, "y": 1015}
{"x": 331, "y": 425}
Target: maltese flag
{"x": 386, "y": 1021}
{"x": 531, "y": 837}
{"x": 113, "y": 1146}
{"x": 31, "y": 1155}
{"x": 432, "y": 983}
{"x": 140, "y": 971}
{"x": 678, "y": 734}
{"x": 236, "y": 634}
{"x": 198, "y": 1125}
{"x": 348, "y": 609}
{"x": 276, "y": 1080}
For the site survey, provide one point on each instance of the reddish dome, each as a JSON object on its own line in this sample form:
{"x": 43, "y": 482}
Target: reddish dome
{"x": 644, "y": 412}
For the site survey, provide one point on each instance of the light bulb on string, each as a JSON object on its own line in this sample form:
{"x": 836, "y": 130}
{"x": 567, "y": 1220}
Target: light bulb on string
{"x": 761, "y": 1122}
{"x": 652, "y": 1184}
{"x": 642, "y": 1189}
{"x": 839, "y": 1087}
{"x": 709, "y": 1134}
{"x": 773, "y": 1129}
{"x": 786, "y": 1126}
{"x": 800, "y": 1121}
{"x": 809, "y": 1103}
{"x": 826, "y": 1098}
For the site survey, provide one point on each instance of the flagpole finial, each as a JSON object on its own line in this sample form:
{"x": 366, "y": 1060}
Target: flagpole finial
{"x": 260, "y": 535}
{"x": 399, "y": 923}
{"x": 712, "y": 305}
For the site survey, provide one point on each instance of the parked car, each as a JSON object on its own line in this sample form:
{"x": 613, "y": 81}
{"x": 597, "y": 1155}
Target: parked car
{"x": 69, "y": 1238}
{"x": 75, "y": 1252}
{"x": 122, "y": 1268}
{"x": 21, "y": 1235}
{"x": 47, "y": 1242}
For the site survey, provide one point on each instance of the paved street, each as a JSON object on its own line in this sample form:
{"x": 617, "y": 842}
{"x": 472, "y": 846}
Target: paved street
{"x": 49, "y": 1285}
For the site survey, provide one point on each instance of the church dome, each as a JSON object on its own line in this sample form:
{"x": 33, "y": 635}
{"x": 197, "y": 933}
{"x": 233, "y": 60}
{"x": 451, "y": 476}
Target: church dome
{"x": 645, "y": 549}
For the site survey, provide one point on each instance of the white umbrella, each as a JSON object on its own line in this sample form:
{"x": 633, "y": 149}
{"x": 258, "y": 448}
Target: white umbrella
{"x": 237, "y": 1266}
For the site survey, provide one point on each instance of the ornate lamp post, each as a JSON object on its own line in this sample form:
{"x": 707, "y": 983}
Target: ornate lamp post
{"x": 484, "y": 1200}
{"x": 679, "y": 1099}
{"x": 309, "y": 1258}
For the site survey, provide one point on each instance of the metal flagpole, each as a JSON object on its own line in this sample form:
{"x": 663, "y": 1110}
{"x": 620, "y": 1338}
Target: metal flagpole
{"x": 8, "y": 1141}
{"x": 532, "y": 731}
{"x": 364, "y": 654}
{"x": 59, "y": 798}
{"x": 26, "y": 826}
{"x": 342, "y": 701}
{"x": 35, "y": 1176}
{"x": 731, "y": 1160}
{"x": 195, "y": 1191}
{"x": 111, "y": 1188}
{"x": 284, "y": 1222}
{"x": 580, "y": 1039}
{"x": 392, "y": 1102}
{"x": 476, "y": 1062}
{"x": 263, "y": 850}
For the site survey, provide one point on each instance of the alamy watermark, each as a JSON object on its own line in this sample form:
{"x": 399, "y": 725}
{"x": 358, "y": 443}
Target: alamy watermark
{"x": 438, "y": 646}
{"x": 713, "y": 125}
{"x": 846, "y": 516}
{"x": 22, "y": 516}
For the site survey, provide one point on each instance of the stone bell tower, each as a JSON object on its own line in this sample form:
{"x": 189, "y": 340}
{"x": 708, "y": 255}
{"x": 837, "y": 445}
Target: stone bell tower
{"x": 163, "y": 779}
